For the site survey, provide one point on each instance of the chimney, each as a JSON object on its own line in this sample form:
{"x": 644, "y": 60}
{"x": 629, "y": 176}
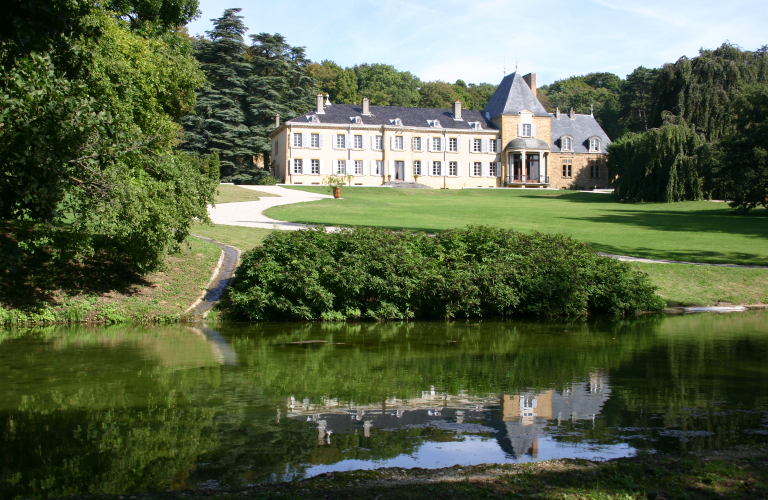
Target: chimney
{"x": 530, "y": 79}
{"x": 320, "y": 109}
{"x": 572, "y": 114}
{"x": 557, "y": 113}
{"x": 457, "y": 110}
{"x": 277, "y": 120}
{"x": 366, "y": 107}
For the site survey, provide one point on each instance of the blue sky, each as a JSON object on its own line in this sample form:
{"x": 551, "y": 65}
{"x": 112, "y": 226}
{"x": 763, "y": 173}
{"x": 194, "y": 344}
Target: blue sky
{"x": 446, "y": 40}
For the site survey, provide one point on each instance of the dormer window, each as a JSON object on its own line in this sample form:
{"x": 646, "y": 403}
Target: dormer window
{"x": 397, "y": 122}
{"x": 475, "y": 125}
{"x": 434, "y": 123}
{"x": 526, "y": 130}
{"x": 566, "y": 143}
{"x": 313, "y": 119}
{"x": 594, "y": 144}
{"x": 356, "y": 120}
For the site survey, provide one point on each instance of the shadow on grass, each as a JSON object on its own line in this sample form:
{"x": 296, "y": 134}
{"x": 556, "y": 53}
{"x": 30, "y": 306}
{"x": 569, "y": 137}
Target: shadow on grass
{"x": 40, "y": 279}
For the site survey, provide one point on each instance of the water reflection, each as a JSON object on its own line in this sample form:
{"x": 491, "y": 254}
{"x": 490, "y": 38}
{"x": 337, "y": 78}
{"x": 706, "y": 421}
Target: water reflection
{"x": 130, "y": 409}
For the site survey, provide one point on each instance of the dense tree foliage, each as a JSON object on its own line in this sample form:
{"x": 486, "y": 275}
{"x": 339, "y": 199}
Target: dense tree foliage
{"x": 659, "y": 165}
{"x": 475, "y": 272}
{"x": 248, "y": 87}
{"x": 701, "y": 89}
{"x": 89, "y": 113}
{"x": 635, "y": 98}
{"x": 596, "y": 92}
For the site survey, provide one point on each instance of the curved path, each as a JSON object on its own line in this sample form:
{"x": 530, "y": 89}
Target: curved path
{"x": 222, "y": 275}
{"x": 250, "y": 213}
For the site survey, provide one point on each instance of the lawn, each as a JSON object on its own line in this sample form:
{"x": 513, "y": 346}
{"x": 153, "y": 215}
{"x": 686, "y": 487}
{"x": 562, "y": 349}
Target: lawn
{"x": 692, "y": 231}
{"x": 240, "y": 237}
{"x": 229, "y": 193}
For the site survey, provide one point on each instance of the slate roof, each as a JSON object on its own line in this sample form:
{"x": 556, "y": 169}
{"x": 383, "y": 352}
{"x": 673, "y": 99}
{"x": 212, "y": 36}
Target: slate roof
{"x": 527, "y": 143}
{"x": 581, "y": 128}
{"x": 512, "y": 96}
{"x": 411, "y": 117}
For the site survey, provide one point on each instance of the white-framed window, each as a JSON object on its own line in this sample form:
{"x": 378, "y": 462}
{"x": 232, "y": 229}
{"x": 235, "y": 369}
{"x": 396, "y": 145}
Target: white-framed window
{"x": 594, "y": 145}
{"x": 453, "y": 168}
{"x": 436, "y": 167}
{"x": 493, "y": 170}
{"x": 314, "y": 141}
{"x": 417, "y": 167}
{"x": 567, "y": 167}
{"x": 436, "y": 144}
{"x": 566, "y": 143}
{"x": 297, "y": 140}
{"x": 341, "y": 167}
{"x": 297, "y": 166}
{"x": 434, "y": 123}
{"x": 379, "y": 166}
{"x": 341, "y": 141}
{"x": 594, "y": 169}
{"x": 492, "y": 146}
{"x": 357, "y": 120}
{"x": 477, "y": 169}
{"x": 378, "y": 141}
{"x": 477, "y": 145}
{"x": 398, "y": 143}
{"x": 313, "y": 119}
{"x": 314, "y": 166}
{"x": 453, "y": 144}
{"x": 476, "y": 125}
{"x": 358, "y": 142}
{"x": 526, "y": 130}
{"x": 358, "y": 167}
{"x": 397, "y": 122}
{"x": 417, "y": 143}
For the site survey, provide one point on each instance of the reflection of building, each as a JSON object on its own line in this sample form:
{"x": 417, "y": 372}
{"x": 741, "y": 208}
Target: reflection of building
{"x": 523, "y": 417}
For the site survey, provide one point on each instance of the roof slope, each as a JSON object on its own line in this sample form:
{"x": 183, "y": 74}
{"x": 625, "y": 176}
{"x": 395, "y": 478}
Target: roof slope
{"x": 513, "y": 96}
{"x": 581, "y": 128}
{"x": 384, "y": 115}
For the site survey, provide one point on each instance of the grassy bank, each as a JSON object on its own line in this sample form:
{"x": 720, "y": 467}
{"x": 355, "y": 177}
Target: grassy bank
{"x": 106, "y": 292}
{"x": 229, "y": 193}
{"x": 693, "y": 231}
{"x": 737, "y": 474}
{"x": 244, "y": 238}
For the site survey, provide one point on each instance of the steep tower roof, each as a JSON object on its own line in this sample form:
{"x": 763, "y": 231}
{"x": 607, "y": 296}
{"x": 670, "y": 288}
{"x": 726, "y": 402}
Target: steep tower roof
{"x": 513, "y": 96}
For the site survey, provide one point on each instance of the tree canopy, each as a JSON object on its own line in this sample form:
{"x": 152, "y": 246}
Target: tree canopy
{"x": 90, "y": 117}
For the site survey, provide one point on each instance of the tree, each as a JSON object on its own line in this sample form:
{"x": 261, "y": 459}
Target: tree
{"x": 743, "y": 158}
{"x": 88, "y": 136}
{"x": 700, "y": 90}
{"x": 437, "y": 95}
{"x": 596, "y": 93}
{"x": 635, "y": 98}
{"x": 219, "y": 123}
{"x": 383, "y": 85}
{"x": 340, "y": 84}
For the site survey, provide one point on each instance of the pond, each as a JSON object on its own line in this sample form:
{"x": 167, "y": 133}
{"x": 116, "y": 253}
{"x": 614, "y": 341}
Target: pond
{"x": 127, "y": 409}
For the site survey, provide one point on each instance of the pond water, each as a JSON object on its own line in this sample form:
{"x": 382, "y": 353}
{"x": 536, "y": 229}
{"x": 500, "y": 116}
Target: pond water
{"x": 125, "y": 409}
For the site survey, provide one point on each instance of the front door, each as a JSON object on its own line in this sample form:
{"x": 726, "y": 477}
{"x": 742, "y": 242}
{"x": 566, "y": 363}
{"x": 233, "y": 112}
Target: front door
{"x": 532, "y": 167}
{"x": 399, "y": 170}
{"x": 517, "y": 170}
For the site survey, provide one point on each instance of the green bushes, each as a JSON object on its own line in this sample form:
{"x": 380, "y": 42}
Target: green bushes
{"x": 479, "y": 271}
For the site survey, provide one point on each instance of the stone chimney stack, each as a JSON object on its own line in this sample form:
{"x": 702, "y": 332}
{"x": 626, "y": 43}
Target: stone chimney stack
{"x": 457, "y": 110}
{"x": 277, "y": 120}
{"x": 530, "y": 79}
{"x": 366, "y": 107}
{"x": 557, "y": 113}
{"x": 320, "y": 109}
{"x": 572, "y": 114}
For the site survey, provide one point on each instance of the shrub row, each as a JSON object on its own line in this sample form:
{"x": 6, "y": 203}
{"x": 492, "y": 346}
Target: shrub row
{"x": 479, "y": 271}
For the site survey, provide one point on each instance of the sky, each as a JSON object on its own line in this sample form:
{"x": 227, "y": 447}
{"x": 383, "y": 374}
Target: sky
{"x": 476, "y": 40}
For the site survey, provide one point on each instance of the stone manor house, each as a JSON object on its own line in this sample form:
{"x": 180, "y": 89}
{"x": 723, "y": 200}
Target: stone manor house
{"x": 513, "y": 142}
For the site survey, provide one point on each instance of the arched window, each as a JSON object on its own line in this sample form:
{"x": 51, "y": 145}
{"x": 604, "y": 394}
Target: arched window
{"x": 566, "y": 143}
{"x": 594, "y": 144}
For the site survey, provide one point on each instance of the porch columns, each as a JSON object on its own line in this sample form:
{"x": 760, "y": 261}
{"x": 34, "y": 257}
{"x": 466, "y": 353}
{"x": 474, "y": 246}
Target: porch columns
{"x": 523, "y": 168}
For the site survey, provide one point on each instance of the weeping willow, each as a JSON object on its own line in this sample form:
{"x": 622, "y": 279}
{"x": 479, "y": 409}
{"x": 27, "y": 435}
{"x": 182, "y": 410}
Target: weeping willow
{"x": 658, "y": 165}
{"x": 701, "y": 89}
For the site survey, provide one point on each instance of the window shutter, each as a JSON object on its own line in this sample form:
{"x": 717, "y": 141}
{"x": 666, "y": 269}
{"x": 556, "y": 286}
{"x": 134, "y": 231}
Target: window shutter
{"x": 305, "y": 140}
{"x": 350, "y": 167}
{"x": 348, "y": 141}
{"x": 458, "y": 168}
{"x": 335, "y": 166}
{"x": 458, "y": 144}
{"x": 498, "y": 145}
{"x": 406, "y": 174}
{"x": 533, "y": 130}
{"x": 483, "y": 145}
{"x": 321, "y": 139}
{"x": 390, "y": 167}
{"x": 428, "y": 166}
{"x": 498, "y": 169}
{"x": 442, "y": 147}
{"x": 391, "y": 143}
{"x": 430, "y": 147}
{"x": 519, "y": 129}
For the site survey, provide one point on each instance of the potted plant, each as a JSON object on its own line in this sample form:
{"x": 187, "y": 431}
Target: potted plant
{"x": 336, "y": 181}
{"x": 415, "y": 177}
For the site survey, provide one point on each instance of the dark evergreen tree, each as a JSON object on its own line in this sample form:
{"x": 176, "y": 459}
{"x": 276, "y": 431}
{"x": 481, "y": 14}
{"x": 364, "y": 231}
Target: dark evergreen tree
{"x": 635, "y": 98}
{"x": 279, "y": 83}
{"x": 701, "y": 89}
{"x": 220, "y": 120}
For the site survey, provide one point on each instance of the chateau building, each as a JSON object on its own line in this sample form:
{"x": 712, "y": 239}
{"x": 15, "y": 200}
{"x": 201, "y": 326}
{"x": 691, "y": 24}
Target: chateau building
{"x": 513, "y": 142}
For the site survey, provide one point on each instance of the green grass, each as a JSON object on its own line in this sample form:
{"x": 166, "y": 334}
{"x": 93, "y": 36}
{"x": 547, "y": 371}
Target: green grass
{"x": 231, "y": 194}
{"x": 693, "y": 231}
{"x": 241, "y": 237}
{"x": 686, "y": 285}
